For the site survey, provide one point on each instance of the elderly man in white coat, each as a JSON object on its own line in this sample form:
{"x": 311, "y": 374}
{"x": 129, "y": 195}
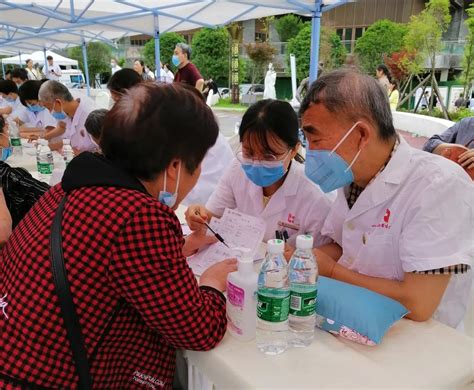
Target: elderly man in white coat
{"x": 403, "y": 217}
{"x": 70, "y": 113}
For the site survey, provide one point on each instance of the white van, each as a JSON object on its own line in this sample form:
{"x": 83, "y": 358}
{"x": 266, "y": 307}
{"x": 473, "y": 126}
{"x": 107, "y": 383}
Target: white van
{"x": 72, "y": 78}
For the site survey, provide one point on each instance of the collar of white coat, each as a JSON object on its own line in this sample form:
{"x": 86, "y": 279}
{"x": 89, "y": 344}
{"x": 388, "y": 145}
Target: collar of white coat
{"x": 386, "y": 183}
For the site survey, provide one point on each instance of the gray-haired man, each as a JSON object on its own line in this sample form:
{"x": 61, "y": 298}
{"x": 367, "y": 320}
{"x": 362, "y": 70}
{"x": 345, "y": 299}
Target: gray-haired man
{"x": 72, "y": 112}
{"x": 402, "y": 217}
{"x": 187, "y": 72}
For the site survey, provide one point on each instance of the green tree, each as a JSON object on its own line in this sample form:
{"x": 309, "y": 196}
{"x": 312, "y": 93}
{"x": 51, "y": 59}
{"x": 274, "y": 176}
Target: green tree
{"x": 98, "y": 58}
{"x": 210, "y": 52}
{"x": 381, "y": 39}
{"x": 168, "y": 42}
{"x": 260, "y": 54}
{"x": 288, "y": 26}
{"x": 424, "y": 37}
{"x": 332, "y": 52}
{"x": 468, "y": 59}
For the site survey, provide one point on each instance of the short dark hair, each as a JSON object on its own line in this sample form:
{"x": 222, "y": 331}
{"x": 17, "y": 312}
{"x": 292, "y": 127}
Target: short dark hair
{"x": 29, "y": 91}
{"x": 354, "y": 95}
{"x": 49, "y": 57}
{"x": 8, "y": 71}
{"x": 95, "y": 121}
{"x": 270, "y": 116}
{"x": 155, "y": 123}
{"x": 8, "y": 86}
{"x": 2, "y": 124}
{"x": 20, "y": 73}
{"x": 123, "y": 79}
{"x": 384, "y": 69}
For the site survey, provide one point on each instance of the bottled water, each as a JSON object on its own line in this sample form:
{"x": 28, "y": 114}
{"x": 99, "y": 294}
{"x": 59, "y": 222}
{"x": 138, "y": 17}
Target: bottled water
{"x": 273, "y": 301}
{"x": 15, "y": 139}
{"x": 68, "y": 153}
{"x": 44, "y": 160}
{"x": 303, "y": 292}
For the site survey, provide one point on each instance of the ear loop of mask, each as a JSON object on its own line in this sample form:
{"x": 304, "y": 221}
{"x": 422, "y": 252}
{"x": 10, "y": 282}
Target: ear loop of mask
{"x": 342, "y": 140}
{"x": 177, "y": 182}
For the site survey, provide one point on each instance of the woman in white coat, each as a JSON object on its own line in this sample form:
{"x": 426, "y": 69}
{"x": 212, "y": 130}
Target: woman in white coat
{"x": 267, "y": 179}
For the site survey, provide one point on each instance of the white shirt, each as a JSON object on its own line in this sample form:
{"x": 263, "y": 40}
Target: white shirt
{"x": 216, "y": 161}
{"x": 75, "y": 128}
{"x": 33, "y": 74}
{"x": 417, "y": 215}
{"x": 18, "y": 109}
{"x": 115, "y": 68}
{"x": 298, "y": 206}
{"x": 52, "y": 76}
{"x": 40, "y": 119}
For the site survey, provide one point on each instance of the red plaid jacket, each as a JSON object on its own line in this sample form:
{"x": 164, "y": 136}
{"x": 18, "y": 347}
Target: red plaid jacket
{"x": 118, "y": 244}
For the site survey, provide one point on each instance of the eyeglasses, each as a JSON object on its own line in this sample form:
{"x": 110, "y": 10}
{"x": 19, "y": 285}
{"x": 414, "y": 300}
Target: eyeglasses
{"x": 243, "y": 158}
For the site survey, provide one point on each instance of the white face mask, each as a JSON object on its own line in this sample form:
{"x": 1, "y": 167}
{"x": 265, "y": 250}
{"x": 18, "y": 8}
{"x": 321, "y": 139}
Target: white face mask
{"x": 167, "y": 198}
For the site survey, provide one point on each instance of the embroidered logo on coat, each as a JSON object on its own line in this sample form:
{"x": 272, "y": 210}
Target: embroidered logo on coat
{"x": 147, "y": 380}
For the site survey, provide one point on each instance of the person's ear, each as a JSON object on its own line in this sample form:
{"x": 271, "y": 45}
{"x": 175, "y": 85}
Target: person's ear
{"x": 173, "y": 168}
{"x": 366, "y": 132}
{"x": 294, "y": 151}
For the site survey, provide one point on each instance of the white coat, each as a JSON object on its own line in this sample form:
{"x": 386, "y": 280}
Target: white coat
{"x": 75, "y": 127}
{"x": 298, "y": 206}
{"x": 417, "y": 215}
{"x": 215, "y": 163}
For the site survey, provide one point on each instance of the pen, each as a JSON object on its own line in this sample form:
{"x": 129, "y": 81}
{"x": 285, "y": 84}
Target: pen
{"x": 217, "y": 235}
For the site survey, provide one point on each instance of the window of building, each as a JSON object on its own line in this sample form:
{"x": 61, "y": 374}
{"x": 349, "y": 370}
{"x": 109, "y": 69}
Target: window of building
{"x": 359, "y": 31}
{"x": 348, "y": 34}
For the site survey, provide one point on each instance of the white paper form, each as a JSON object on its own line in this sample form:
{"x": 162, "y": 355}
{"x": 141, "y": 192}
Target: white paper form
{"x": 238, "y": 231}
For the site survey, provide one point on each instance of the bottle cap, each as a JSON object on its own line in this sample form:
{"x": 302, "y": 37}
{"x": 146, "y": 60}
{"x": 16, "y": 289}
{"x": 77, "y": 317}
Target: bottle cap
{"x": 43, "y": 142}
{"x": 275, "y": 246}
{"x": 304, "y": 241}
{"x": 66, "y": 141}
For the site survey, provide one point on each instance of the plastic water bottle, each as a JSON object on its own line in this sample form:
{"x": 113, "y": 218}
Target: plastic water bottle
{"x": 68, "y": 153}
{"x": 44, "y": 160}
{"x": 273, "y": 301}
{"x": 303, "y": 292}
{"x": 15, "y": 139}
{"x": 241, "y": 298}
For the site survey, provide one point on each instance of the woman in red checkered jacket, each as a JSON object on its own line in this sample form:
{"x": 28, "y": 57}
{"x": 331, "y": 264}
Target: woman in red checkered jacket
{"x": 136, "y": 299}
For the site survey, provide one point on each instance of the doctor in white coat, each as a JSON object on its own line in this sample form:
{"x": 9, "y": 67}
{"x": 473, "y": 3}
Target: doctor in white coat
{"x": 403, "y": 217}
{"x": 266, "y": 181}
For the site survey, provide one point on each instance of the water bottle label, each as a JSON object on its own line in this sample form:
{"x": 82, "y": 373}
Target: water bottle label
{"x": 45, "y": 168}
{"x": 273, "y": 309}
{"x": 303, "y": 304}
{"x": 16, "y": 141}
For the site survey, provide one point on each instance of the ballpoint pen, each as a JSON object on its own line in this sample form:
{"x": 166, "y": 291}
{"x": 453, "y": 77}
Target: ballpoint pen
{"x": 217, "y": 235}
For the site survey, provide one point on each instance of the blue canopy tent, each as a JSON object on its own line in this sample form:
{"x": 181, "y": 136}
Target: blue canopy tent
{"x": 57, "y": 24}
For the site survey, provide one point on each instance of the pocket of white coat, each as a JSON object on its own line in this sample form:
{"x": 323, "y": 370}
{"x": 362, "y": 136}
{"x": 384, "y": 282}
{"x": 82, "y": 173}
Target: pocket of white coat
{"x": 376, "y": 255}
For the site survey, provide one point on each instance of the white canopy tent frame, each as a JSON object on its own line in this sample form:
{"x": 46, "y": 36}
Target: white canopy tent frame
{"x": 26, "y": 24}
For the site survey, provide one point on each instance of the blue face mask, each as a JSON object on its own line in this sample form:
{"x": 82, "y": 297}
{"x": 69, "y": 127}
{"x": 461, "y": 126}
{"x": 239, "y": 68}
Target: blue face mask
{"x": 6, "y": 152}
{"x": 167, "y": 198}
{"x": 264, "y": 173}
{"x": 58, "y": 115}
{"x": 329, "y": 170}
{"x": 10, "y": 99}
{"x": 175, "y": 60}
{"x": 35, "y": 108}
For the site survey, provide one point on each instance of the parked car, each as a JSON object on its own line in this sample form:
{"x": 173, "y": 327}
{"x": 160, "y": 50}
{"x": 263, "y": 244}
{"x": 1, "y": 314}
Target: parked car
{"x": 250, "y": 93}
{"x": 224, "y": 93}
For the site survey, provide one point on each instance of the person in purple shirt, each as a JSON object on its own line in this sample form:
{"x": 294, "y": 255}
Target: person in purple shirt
{"x": 462, "y": 133}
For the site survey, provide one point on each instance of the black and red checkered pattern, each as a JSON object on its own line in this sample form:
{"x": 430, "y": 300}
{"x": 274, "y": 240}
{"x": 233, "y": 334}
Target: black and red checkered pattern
{"x": 118, "y": 244}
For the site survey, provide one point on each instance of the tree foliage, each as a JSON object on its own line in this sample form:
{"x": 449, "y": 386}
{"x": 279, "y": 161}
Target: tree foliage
{"x": 288, "y": 26}
{"x": 211, "y": 52}
{"x": 399, "y": 64}
{"x": 98, "y": 58}
{"x": 468, "y": 59}
{"x": 381, "y": 39}
{"x": 425, "y": 32}
{"x": 332, "y": 51}
{"x": 168, "y": 42}
{"x": 260, "y": 55}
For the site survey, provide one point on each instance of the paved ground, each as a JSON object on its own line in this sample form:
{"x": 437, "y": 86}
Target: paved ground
{"x": 227, "y": 120}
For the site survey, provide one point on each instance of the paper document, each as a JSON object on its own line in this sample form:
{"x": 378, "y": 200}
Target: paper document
{"x": 239, "y": 231}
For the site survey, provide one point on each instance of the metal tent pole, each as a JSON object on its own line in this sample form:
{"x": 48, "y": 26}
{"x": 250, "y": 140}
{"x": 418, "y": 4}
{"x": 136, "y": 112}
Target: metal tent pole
{"x": 86, "y": 66}
{"x": 157, "y": 45}
{"x": 315, "y": 35}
